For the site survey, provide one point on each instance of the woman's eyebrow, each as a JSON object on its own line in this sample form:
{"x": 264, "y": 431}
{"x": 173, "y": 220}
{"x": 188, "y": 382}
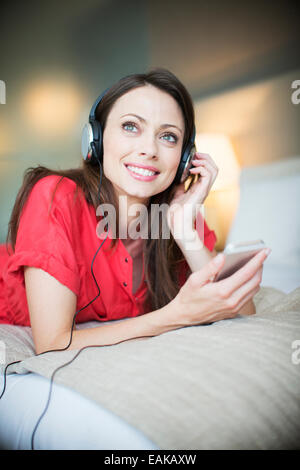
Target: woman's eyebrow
{"x": 144, "y": 120}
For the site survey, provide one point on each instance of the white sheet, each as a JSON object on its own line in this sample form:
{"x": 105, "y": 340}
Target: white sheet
{"x": 72, "y": 422}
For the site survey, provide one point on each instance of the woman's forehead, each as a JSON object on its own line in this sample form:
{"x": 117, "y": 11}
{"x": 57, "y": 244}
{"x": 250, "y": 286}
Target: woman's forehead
{"x": 148, "y": 101}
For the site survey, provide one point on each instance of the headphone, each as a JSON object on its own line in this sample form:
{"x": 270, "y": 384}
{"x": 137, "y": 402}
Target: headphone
{"x": 92, "y": 144}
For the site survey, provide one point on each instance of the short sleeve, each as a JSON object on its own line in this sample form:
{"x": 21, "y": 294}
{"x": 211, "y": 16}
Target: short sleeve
{"x": 206, "y": 235}
{"x": 44, "y": 238}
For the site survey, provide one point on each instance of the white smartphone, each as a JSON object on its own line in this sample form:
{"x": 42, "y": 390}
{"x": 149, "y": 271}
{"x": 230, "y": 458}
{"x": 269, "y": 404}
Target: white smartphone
{"x": 237, "y": 255}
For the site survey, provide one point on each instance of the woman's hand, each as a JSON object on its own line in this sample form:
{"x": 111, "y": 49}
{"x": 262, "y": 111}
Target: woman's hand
{"x": 201, "y": 301}
{"x": 185, "y": 205}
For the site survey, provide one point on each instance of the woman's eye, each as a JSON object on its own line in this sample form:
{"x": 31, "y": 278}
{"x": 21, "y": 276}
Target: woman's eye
{"x": 131, "y": 127}
{"x": 128, "y": 126}
{"x": 173, "y": 138}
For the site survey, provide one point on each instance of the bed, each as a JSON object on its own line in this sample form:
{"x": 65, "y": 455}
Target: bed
{"x": 234, "y": 384}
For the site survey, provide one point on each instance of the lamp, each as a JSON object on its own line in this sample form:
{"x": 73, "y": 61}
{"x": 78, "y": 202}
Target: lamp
{"x": 220, "y": 148}
{"x": 222, "y": 201}
{"x": 51, "y": 107}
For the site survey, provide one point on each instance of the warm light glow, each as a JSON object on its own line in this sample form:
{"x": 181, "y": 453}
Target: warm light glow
{"x": 51, "y": 107}
{"x": 220, "y": 148}
{"x": 222, "y": 201}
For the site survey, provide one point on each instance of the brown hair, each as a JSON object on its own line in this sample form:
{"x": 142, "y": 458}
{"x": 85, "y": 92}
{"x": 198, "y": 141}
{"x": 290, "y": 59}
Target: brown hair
{"x": 162, "y": 256}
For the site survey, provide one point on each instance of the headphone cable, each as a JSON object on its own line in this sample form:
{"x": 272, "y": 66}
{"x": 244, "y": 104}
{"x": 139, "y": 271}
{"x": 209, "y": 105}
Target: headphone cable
{"x": 85, "y": 347}
{"x": 71, "y": 337}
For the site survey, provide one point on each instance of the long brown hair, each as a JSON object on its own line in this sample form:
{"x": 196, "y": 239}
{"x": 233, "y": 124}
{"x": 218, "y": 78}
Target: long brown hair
{"x": 162, "y": 256}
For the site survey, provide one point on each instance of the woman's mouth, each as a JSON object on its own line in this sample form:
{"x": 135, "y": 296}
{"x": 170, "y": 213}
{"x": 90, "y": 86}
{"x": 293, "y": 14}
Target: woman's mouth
{"x": 142, "y": 174}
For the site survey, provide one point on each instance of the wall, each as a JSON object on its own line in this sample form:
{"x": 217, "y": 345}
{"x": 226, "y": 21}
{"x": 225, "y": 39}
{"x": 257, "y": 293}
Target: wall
{"x": 264, "y": 126}
{"x": 261, "y": 119}
{"x": 218, "y": 49}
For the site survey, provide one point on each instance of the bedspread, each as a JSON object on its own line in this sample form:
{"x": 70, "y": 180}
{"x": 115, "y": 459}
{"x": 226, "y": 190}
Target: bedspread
{"x": 233, "y": 384}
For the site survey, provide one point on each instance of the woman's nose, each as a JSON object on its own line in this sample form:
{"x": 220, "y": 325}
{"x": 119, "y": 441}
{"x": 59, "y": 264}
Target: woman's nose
{"x": 148, "y": 145}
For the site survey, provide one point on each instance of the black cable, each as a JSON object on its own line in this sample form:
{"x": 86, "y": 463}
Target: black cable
{"x": 66, "y": 364}
{"x": 4, "y": 376}
{"x": 73, "y": 322}
{"x": 71, "y": 337}
{"x": 72, "y": 327}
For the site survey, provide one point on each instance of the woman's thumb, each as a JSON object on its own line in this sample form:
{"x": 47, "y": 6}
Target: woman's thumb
{"x": 217, "y": 261}
{"x": 216, "y": 265}
{"x": 209, "y": 271}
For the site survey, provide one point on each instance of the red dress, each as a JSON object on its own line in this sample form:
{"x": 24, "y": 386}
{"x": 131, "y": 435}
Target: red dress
{"x": 63, "y": 241}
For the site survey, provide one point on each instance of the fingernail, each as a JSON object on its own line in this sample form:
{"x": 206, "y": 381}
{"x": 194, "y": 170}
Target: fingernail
{"x": 268, "y": 251}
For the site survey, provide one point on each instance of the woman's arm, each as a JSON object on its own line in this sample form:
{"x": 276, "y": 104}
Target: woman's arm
{"x": 52, "y": 307}
{"x": 195, "y": 252}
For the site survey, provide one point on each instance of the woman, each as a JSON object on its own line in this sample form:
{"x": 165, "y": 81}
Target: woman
{"x": 154, "y": 284}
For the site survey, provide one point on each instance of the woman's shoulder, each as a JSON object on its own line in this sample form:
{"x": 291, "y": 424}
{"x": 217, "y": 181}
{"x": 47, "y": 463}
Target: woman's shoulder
{"x": 53, "y": 186}
{"x": 63, "y": 184}
{"x": 54, "y": 192}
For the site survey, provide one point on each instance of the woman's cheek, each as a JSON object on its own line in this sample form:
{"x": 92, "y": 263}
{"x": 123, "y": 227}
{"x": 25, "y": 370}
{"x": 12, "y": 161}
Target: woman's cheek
{"x": 168, "y": 181}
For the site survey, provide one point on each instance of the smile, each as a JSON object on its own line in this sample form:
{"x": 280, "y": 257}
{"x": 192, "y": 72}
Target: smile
{"x": 141, "y": 174}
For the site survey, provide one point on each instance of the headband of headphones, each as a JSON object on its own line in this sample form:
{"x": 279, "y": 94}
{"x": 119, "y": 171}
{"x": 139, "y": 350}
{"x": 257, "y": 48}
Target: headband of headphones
{"x": 92, "y": 148}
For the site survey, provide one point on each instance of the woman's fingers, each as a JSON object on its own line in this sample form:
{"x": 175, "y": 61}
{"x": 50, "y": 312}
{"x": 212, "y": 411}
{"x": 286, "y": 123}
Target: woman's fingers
{"x": 229, "y": 285}
{"x": 205, "y": 156}
{"x": 203, "y": 301}
{"x": 205, "y": 164}
{"x": 208, "y": 272}
{"x": 246, "y": 292}
{"x": 248, "y": 297}
{"x": 204, "y": 168}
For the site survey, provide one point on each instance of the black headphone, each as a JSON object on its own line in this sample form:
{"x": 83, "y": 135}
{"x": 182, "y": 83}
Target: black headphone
{"x": 92, "y": 148}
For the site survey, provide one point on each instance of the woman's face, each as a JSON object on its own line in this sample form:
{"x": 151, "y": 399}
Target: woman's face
{"x": 144, "y": 133}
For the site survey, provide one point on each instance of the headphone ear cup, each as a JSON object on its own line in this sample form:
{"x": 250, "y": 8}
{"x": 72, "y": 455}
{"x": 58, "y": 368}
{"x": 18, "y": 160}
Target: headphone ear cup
{"x": 91, "y": 142}
{"x": 97, "y": 148}
{"x": 185, "y": 164}
{"x": 86, "y": 139}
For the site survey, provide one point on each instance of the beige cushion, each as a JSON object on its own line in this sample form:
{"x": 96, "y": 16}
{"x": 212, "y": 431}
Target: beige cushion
{"x": 228, "y": 385}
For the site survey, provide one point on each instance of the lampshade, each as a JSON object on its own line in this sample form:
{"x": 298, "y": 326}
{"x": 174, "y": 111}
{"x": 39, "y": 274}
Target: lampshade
{"x": 51, "y": 107}
{"x": 220, "y": 148}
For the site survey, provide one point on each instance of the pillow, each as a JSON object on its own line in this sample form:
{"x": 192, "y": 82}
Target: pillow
{"x": 16, "y": 344}
{"x": 233, "y": 384}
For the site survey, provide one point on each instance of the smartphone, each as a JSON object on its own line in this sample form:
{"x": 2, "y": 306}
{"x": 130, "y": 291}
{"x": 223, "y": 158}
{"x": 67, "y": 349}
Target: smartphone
{"x": 237, "y": 255}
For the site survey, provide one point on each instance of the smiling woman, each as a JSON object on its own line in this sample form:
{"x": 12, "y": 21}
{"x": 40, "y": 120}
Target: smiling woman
{"x": 143, "y": 150}
{"x": 50, "y": 276}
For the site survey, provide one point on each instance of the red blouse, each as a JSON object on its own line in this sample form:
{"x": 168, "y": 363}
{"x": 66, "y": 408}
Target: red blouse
{"x": 62, "y": 240}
